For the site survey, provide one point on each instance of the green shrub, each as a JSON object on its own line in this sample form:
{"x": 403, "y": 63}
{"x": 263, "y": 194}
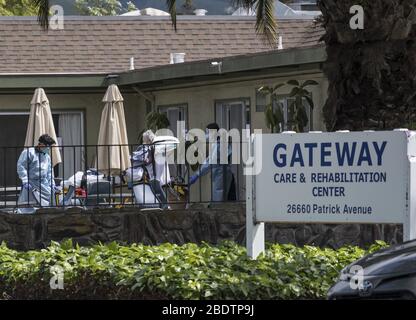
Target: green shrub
{"x": 170, "y": 271}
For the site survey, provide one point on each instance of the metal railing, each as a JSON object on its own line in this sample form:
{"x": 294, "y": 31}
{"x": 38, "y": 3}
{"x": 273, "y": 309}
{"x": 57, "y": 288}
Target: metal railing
{"x": 80, "y": 181}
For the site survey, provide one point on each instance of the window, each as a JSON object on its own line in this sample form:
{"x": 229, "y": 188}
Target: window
{"x": 261, "y": 101}
{"x": 285, "y": 102}
{"x": 69, "y": 128}
{"x": 234, "y": 114}
{"x": 175, "y": 113}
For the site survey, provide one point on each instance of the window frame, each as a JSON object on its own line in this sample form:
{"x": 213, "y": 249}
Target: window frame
{"x": 260, "y": 107}
{"x": 286, "y": 98}
{"x": 247, "y": 105}
{"x": 185, "y": 107}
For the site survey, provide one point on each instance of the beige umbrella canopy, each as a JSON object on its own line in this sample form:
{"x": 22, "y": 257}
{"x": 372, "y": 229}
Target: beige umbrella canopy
{"x": 113, "y": 153}
{"x": 41, "y": 122}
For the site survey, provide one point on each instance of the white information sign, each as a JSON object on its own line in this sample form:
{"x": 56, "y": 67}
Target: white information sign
{"x": 339, "y": 177}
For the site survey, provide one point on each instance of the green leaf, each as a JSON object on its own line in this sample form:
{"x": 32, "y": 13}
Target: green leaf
{"x": 309, "y": 83}
{"x": 310, "y": 101}
{"x": 278, "y": 86}
{"x": 67, "y": 245}
{"x": 208, "y": 294}
{"x": 265, "y": 90}
{"x": 294, "y": 92}
{"x": 169, "y": 271}
{"x": 293, "y": 83}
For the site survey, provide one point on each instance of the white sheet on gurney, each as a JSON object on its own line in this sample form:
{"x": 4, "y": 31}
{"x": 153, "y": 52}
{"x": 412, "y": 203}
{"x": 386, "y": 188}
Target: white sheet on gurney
{"x": 76, "y": 179}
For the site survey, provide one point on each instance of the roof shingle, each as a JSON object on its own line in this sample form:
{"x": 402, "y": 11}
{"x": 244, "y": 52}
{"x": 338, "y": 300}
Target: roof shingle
{"x": 106, "y": 44}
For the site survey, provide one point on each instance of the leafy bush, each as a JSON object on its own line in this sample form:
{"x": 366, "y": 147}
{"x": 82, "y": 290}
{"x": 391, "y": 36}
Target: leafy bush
{"x": 170, "y": 271}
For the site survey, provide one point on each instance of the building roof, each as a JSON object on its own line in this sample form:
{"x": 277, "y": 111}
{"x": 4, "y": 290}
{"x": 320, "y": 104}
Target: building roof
{"x": 295, "y": 60}
{"x": 106, "y": 44}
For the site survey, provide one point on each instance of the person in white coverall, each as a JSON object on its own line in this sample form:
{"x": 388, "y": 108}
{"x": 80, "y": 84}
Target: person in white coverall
{"x": 34, "y": 168}
{"x": 154, "y": 161}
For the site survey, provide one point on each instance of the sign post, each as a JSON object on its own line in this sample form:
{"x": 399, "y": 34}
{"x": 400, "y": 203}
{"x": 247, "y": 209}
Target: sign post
{"x": 254, "y": 230}
{"x": 339, "y": 177}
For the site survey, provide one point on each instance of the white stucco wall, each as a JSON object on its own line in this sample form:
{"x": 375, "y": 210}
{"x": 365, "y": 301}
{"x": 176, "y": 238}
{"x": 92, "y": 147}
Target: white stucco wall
{"x": 201, "y": 99}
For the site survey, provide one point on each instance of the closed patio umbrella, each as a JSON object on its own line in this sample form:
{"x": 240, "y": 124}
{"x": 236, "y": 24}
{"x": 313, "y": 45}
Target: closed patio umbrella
{"x": 113, "y": 153}
{"x": 41, "y": 122}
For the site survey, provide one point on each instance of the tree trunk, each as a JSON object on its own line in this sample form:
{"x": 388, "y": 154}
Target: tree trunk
{"x": 371, "y": 72}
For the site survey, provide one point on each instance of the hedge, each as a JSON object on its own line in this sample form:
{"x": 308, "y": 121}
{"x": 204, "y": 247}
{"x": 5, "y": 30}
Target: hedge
{"x": 169, "y": 271}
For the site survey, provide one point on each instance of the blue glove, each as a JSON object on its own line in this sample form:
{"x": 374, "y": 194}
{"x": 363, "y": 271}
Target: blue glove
{"x": 27, "y": 186}
{"x": 193, "y": 179}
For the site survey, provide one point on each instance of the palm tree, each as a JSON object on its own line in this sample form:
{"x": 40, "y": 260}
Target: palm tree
{"x": 265, "y": 22}
{"x": 371, "y": 72}
{"x": 43, "y": 12}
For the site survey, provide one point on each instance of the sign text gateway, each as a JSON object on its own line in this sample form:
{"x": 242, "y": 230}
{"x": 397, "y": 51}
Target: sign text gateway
{"x": 357, "y": 177}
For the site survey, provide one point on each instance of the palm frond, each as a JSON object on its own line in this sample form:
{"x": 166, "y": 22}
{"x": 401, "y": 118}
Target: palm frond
{"x": 265, "y": 21}
{"x": 43, "y": 12}
{"x": 172, "y": 10}
{"x": 246, "y": 4}
{"x": 294, "y": 92}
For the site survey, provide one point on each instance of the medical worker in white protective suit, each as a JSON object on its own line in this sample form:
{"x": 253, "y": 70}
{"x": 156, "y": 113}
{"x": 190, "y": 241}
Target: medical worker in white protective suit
{"x": 146, "y": 158}
{"x": 34, "y": 168}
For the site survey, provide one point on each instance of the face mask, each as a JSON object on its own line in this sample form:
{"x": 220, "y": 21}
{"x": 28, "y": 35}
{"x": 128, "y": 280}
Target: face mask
{"x": 45, "y": 150}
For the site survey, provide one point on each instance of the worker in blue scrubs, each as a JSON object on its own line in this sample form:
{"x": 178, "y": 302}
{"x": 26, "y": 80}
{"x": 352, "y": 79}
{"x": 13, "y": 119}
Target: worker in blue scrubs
{"x": 34, "y": 168}
{"x": 222, "y": 179}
